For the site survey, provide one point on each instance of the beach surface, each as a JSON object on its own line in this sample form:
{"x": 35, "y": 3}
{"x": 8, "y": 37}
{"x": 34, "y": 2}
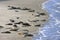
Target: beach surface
{"x": 6, "y": 14}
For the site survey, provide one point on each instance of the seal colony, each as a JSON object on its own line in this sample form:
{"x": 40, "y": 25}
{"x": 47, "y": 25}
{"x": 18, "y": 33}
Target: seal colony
{"x": 25, "y": 22}
{"x": 20, "y": 22}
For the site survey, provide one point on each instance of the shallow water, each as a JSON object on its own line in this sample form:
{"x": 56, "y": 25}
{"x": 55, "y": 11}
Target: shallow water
{"x": 51, "y": 30}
